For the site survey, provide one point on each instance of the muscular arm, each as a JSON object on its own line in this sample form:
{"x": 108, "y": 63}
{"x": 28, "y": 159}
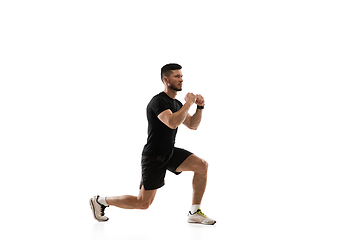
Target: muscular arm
{"x": 193, "y": 121}
{"x": 173, "y": 120}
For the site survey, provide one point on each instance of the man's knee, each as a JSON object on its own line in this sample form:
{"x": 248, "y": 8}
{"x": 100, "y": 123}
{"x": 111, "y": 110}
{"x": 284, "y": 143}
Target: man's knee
{"x": 145, "y": 198}
{"x": 203, "y": 166}
{"x": 144, "y": 205}
{"x": 206, "y": 165}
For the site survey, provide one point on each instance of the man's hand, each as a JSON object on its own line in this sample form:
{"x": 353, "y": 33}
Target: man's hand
{"x": 190, "y": 97}
{"x": 199, "y": 100}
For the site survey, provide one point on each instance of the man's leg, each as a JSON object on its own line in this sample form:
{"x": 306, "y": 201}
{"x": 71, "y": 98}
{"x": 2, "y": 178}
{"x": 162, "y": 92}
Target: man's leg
{"x": 199, "y": 167}
{"x": 143, "y": 201}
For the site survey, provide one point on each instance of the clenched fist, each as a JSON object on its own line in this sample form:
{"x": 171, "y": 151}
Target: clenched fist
{"x": 199, "y": 100}
{"x": 190, "y": 97}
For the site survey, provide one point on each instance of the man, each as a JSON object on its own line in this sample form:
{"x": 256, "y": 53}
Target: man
{"x": 165, "y": 114}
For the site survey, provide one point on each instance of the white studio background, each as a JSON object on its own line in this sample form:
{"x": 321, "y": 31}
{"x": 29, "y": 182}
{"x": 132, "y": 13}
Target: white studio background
{"x": 280, "y": 128}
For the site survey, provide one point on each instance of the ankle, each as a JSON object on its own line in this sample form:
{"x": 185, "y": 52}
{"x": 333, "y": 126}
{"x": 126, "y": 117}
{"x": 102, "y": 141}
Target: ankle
{"x": 194, "y": 208}
{"x": 102, "y": 201}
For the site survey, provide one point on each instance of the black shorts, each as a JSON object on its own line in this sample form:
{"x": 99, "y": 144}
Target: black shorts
{"x": 154, "y": 167}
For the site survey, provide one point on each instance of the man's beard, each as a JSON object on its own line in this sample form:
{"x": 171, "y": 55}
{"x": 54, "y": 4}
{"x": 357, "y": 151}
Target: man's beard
{"x": 173, "y": 87}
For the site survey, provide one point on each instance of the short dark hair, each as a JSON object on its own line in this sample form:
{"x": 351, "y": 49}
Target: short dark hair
{"x": 166, "y": 70}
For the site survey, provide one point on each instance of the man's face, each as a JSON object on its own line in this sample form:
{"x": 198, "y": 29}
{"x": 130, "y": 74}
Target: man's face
{"x": 174, "y": 81}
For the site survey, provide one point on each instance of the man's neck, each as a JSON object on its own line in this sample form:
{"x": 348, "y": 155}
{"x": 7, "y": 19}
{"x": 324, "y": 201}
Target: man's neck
{"x": 170, "y": 92}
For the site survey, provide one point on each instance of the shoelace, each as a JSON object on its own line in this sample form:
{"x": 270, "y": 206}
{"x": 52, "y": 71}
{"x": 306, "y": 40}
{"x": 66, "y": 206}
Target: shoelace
{"x": 200, "y": 213}
{"x": 102, "y": 209}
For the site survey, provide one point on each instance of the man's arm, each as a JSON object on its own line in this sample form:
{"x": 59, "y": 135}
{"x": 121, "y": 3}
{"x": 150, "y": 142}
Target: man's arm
{"x": 193, "y": 121}
{"x": 173, "y": 120}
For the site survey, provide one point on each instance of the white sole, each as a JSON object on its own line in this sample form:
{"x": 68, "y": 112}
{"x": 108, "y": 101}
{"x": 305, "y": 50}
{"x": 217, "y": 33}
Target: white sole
{"x": 194, "y": 222}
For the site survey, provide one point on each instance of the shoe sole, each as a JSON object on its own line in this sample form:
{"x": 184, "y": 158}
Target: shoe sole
{"x": 93, "y": 211}
{"x": 202, "y": 223}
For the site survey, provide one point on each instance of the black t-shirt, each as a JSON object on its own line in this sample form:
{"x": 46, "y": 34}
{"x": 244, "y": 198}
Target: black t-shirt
{"x": 161, "y": 138}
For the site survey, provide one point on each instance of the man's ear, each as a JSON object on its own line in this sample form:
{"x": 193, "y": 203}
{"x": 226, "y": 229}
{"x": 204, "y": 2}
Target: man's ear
{"x": 165, "y": 79}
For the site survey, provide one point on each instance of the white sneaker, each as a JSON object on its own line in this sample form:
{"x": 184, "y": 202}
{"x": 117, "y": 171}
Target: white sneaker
{"x": 98, "y": 209}
{"x": 200, "y": 217}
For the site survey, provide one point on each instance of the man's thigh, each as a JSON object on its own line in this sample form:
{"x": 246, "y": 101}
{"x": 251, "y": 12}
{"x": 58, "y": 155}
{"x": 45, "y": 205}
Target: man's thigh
{"x": 192, "y": 163}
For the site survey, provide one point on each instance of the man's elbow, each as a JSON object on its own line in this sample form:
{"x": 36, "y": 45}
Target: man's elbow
{"x": 172, "y": 125}
{"x": 193, "y": 128}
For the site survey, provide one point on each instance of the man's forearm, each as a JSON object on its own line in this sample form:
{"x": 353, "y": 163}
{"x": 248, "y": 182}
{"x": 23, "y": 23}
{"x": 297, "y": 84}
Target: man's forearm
{"x": 177, "y": 118}
{"x": 196, "y": 119}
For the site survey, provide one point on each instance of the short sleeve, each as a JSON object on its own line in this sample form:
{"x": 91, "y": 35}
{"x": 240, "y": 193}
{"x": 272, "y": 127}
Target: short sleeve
{"x": 158, "y": 105}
